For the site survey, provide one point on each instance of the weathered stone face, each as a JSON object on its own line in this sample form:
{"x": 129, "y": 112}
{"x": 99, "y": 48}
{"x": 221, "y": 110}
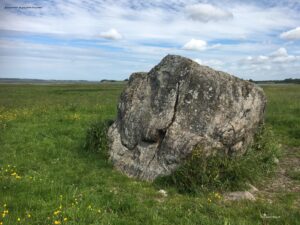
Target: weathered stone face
{"x": 179, "y": 104}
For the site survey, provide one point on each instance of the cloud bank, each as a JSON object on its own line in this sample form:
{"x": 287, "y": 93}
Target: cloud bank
{"x": 206, "y": 12}
{"x": 102, "y": 39}
{"x": 195, "y": 45}
{"x": 111, "y": 34}
{"x": 293, "y": 34}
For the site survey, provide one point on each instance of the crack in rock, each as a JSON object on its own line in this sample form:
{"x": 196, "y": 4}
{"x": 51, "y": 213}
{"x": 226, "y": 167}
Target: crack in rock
{"x": 162, "y": 132}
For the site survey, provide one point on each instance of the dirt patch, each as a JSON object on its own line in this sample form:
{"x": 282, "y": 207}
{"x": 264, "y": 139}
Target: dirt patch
{"x": 281, "y": 182}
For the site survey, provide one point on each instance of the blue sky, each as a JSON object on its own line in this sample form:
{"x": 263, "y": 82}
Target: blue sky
{"x": 110, "y": 39}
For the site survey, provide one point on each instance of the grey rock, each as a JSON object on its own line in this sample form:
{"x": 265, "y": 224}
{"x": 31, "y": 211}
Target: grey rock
{"x": 164, "y": 114}
{"x": 238, "y": 196}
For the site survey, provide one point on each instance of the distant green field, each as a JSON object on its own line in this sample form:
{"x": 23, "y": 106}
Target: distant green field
{"x": 283, "y": 112}
{"x": 47, "y": 178}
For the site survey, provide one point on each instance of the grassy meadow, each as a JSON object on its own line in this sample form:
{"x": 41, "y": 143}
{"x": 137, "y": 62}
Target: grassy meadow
{"x": 46, "y": 177}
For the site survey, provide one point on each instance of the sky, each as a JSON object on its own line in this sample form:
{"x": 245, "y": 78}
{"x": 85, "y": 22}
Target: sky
{"x": 110, "y": 39}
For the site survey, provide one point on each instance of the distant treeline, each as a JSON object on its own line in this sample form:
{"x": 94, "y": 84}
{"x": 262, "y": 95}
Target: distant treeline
{"x": 285, "y": 81}
{"x": 40, "y": 81}
{"x": 109, "y": 81}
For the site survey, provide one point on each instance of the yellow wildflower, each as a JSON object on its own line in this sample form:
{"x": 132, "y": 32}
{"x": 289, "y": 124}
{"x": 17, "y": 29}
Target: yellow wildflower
{"x": 29, "y": 216}
{"x": 18, "y": 177}
{"x": 75, "y": 116}
{"x": 19, "y": 219}
{"x": 3, "y": 215}
{"x": 217, "y": 195}
{"x": 14, "y": 174}
{"x": 56, "y": 212}
{"x": 57, "y": 222}
{"x": 65, "y": 219}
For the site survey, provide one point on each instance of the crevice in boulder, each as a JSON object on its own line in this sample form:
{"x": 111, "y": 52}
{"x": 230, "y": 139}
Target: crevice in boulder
{"x": 149, "y": 141}
{"x": 175, "y": 105}
{"x": 163, "y": 134}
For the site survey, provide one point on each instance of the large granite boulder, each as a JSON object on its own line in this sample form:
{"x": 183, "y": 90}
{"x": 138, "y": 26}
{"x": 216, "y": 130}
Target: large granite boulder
{"x": 179, "y": 104}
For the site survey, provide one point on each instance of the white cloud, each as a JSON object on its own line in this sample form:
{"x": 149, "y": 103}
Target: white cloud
{"x": 195, "y": 45}
{"x": 206, "y": 12}
{"x": 209, "y": 62}
{"x": 111, "y": 34}
{"x": 281, "y": 52}
{"x": 279, "y": 56}
{"x": 293, "y": 34}
{"x": 256, "y": 60}
{"x": 199, "y": 61}
{"x": 278, "y": 64}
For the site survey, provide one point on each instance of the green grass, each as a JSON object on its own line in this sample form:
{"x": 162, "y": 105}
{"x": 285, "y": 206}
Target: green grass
{"x": 47, "y": 172}
{"x": 283, "y": 112}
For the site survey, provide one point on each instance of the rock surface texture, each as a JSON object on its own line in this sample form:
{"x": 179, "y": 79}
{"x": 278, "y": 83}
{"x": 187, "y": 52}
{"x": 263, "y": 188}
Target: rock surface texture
{"x": 179, "y": 104}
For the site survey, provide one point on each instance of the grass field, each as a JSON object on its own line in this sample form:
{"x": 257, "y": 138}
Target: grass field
{"x": 47, "y": 178}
